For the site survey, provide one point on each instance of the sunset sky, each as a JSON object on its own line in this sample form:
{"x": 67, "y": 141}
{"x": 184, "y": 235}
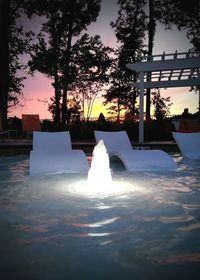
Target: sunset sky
{"x": 38, "y": 89}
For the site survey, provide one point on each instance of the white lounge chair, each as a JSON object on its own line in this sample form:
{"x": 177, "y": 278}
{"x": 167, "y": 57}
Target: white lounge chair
{"x": 118, "y": 145}
{"x": 52, "y": 153}
{"x": 188, "y": 143}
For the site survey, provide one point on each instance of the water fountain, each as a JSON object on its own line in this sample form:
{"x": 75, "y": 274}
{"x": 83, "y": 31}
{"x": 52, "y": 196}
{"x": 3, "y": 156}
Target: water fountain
{"x": 99, "y": 180}
{"x": 100, "y": 173}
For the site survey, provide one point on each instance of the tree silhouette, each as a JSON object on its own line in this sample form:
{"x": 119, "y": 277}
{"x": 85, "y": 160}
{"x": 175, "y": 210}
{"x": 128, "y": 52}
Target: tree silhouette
{"x": 161, "y": 105}
{"x": 64, "y": 21}
{"x": 15, "y": 42}
{"x": 92, "y": 62}
{"x": 129, "y": 28}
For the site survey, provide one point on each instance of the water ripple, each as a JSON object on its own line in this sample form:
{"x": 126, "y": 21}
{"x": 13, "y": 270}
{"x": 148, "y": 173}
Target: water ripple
{"x": 190, "y": 227}
{"x": 178, "y": 258}
{"x": 97, "y": 224}
{"x": 177, "y": 219}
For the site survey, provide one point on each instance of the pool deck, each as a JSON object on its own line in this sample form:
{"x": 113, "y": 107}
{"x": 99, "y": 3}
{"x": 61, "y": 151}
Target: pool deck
{"x": 24, "y": 146}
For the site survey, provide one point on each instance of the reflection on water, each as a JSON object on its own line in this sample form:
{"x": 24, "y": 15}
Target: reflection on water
{"x": 54, "y": 227}
{"x": 179, "y": 259}
{"x": 97, "y": 224}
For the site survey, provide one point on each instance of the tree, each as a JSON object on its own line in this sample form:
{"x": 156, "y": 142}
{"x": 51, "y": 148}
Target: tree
{"x": 92, "y": 62}
{"x": 14, "y": 43}
{"x": 73, "y": 112}
{"x": 185, "y": 14}
{"x": 157, "y": 11}
{"x": 4, "y": 57}
{"x": 129, "y": 27}
{"x": 161, "y": 105}
{"x": 45, "y": 59}
{"x": 65, "y": 20}
{"x": 151, "y": 35}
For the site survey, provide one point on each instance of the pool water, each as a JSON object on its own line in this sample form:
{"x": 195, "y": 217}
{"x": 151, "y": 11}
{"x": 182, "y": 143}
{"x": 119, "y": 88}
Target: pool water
{"x": 54, "y": 227}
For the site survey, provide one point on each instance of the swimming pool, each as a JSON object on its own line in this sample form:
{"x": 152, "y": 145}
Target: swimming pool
{"x": 55, "y": 228}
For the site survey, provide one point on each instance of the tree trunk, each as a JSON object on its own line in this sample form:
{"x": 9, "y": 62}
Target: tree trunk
{"x": 66, "y": 76}
{"x": 55, "y": 36}
{"x": 4, "y": 60}
{"x": 57, "y": 100}
{"x": 118, "y": 111}
{"x": 151, "y": 33}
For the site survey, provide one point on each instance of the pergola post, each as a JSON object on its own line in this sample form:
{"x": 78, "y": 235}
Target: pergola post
{"x": 141, "y": 113}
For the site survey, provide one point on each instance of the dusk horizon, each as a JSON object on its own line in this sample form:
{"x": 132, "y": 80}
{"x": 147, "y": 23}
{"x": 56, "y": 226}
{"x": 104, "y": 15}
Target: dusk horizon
{"x": 38, "y": 90}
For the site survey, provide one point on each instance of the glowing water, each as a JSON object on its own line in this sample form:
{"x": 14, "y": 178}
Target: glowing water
{"x": 60, "y": 229}
{"x": 100, "y": 173}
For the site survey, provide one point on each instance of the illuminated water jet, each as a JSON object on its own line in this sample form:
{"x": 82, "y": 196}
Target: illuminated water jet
{"x": 99, "y": 180}
{"x": 100, "y": 173}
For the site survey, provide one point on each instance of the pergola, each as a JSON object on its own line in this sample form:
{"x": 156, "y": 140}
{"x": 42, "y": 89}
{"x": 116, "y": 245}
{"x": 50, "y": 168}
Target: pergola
{"x": 165, "y": 70}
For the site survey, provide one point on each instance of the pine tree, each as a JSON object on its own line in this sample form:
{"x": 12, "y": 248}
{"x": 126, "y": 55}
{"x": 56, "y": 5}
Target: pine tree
{"x": 129, "y": 27}
{"x": 161, "y": 105}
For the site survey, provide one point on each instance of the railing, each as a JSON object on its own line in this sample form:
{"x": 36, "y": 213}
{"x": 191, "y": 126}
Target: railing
{"x": 170, "y": 56}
